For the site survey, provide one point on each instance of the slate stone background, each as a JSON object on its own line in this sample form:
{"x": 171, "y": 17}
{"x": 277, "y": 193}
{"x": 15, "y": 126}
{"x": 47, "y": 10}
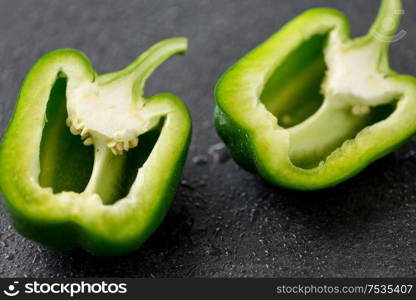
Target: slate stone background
{"x": 224, "y": 221}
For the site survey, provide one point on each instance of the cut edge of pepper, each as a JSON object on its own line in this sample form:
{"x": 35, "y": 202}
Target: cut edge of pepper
{"x": 89, "y": 222}
{"x": 274, "y": 165}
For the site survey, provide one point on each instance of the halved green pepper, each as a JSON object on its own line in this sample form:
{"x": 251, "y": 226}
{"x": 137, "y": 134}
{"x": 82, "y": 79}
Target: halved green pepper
{"x": 109, "y": 198}
{"x": 311, "y": 107}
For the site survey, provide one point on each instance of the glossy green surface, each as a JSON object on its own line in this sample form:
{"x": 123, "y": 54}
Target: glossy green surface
{"x": 280, "y": 115}
{"x": 65, "y": 195}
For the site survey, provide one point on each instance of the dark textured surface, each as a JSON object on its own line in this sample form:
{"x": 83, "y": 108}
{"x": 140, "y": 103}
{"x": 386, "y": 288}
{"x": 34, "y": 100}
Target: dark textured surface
{"x": 224, "y": 222}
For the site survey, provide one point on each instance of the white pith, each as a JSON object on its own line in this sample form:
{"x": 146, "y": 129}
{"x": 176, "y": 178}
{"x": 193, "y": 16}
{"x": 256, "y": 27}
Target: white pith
{"x": 107, "y": 114}
{"x": 353, "y": 77}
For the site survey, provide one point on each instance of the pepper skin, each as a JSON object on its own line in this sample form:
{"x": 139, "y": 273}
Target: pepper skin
{"x": 311, "y": 107}
{"x": 87, "y": 160}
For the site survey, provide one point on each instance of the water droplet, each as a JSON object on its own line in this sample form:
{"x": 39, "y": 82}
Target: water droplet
{"x": 219, "y": 153}
{"x": 200, "y": 159}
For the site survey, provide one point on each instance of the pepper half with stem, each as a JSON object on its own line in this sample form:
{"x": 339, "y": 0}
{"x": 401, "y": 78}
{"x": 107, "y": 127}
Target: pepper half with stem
{"x": 311, "y": 107}
{"x": 87, "y": 160}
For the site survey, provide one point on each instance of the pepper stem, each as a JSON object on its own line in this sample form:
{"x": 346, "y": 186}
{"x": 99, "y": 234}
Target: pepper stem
{"x": 138, "y": 71}
{"x": 383, "y": 31}
{"x": 385, "y": 26}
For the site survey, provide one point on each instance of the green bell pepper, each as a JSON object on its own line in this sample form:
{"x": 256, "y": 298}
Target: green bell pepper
{"x": 311, "y": 107}
{"x": 108, "y": 198}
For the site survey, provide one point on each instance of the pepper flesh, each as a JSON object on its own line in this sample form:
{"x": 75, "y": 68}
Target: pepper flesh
{"x": 109, "y": 198}
{"x": 311, "y": 107}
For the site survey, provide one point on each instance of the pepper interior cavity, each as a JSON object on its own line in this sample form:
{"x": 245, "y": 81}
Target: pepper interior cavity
{"x": 109, "y": 114}
{"x": 66, "y": 164}
{"x": 311, "y": 107}
{"x": 341, "y": 94}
